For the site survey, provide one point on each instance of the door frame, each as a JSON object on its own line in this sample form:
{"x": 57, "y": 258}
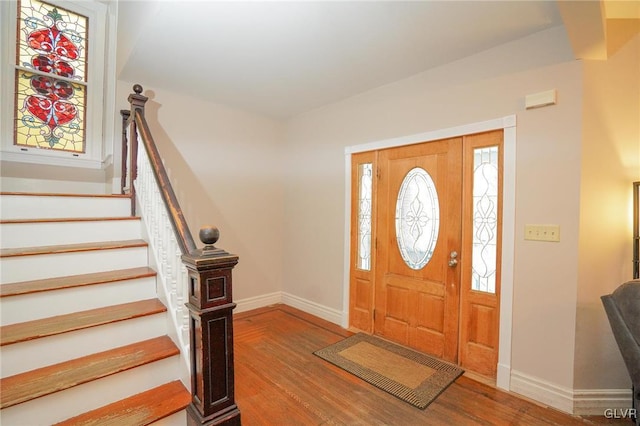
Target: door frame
{"x": 508, "y": 125}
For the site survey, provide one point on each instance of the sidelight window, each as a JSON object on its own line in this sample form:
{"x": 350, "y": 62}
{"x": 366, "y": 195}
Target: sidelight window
{"x": 485, "y": 219}
{"x": 365, "y": 180}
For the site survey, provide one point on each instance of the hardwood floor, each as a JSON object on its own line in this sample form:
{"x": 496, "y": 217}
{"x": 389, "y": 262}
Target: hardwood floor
{"x": 278, "y": 381}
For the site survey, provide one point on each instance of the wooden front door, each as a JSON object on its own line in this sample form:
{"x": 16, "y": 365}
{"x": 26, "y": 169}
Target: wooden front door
{"x": 419, "y": 233}
{"x": 425, "y": 244}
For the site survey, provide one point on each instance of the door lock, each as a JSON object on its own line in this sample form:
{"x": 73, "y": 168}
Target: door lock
{"x": 453, "y": 258}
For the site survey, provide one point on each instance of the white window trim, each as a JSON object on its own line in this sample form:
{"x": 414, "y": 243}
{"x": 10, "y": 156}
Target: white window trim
{"x": 100, "y": 95}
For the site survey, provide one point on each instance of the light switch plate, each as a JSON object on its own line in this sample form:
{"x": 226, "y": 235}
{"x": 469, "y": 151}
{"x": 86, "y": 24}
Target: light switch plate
{"x": 542, "y": 233}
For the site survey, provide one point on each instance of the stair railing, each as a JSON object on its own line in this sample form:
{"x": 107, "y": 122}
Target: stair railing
{"x": 195, "y": 284}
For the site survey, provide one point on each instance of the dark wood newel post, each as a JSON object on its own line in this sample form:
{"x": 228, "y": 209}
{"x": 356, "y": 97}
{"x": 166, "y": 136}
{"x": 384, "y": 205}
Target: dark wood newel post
{"x": 211, "y": 333}
{"x": 137, "y": 101}
{"x": 125, "y": 113}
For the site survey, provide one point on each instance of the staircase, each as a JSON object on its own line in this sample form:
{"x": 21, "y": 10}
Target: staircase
{"x": 83, "y": 336}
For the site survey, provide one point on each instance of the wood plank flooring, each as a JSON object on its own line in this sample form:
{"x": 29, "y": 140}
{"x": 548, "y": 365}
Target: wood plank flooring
{"x": 278, "y": 381}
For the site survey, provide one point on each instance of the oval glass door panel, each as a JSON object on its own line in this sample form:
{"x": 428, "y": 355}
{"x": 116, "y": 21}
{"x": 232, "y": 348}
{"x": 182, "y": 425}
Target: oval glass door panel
{"x": 417, "y": 218}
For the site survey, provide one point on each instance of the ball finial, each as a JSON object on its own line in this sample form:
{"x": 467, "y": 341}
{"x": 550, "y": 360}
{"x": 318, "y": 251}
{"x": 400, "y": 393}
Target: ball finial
{"x": 209, "y": 235}
{"x": 137, "y": 89}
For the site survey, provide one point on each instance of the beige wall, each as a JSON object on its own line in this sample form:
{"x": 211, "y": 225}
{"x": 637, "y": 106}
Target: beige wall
{"x": 225, "y": 168}
{"x": 27, "y": 177}
{"x": 610, "y": 163}
{"x": 489, "y": 85}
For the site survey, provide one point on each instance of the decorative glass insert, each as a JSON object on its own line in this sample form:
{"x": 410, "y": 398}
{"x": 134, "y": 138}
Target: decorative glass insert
{"x": 417, "y": 218}
{"x": 51, "y": 71}
{"x": 485, "y": 219}
{"x": 365, "y": 181}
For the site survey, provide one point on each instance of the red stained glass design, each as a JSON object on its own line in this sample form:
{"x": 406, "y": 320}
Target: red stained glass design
{"x": 50, "y": 110}
{"x": 50, "y": 107}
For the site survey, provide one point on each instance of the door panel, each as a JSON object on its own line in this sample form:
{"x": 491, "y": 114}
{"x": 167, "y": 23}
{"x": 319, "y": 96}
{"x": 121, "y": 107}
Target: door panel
{"x": 418, "y": 306}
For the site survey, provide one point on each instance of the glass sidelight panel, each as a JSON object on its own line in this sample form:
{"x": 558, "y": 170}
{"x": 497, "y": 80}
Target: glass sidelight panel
{"x": 485, "y": 219}
{"x": 417, "y": 218}
{"x": 365, "y": 180}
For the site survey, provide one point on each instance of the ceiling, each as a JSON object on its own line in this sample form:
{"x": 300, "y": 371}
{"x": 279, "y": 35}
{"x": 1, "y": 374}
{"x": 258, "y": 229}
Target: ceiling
{"x": 281, "y": 59}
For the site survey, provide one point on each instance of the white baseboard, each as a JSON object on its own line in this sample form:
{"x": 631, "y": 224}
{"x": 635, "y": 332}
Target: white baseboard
{"x": 579, "y": 402}
{"x": 595, "y": 402}
{"x": 256, "y": 302}
{"x": 313, "y": 308}
{"x": 321, "y": 311}
{"x": 542, "y": 391}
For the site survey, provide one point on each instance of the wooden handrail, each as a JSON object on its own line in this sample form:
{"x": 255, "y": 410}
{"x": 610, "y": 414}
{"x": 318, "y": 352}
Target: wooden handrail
{"x": 180, "y": 227}
{"x": 210, "y": 301}
{"x": 185, "y": 239}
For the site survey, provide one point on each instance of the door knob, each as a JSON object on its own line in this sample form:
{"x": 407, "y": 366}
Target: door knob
{"x": 453, "y": 261}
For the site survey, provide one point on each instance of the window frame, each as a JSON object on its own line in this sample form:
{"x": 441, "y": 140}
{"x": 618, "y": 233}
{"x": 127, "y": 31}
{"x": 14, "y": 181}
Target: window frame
{"x": 100, "y": 84}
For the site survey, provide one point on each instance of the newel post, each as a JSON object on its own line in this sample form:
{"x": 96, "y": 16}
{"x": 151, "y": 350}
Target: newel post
{"x": 211, "y": 333}
{"x": 137, "y": 101}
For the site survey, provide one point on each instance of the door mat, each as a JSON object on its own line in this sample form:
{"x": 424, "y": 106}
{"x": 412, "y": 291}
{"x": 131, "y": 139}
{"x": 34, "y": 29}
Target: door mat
{"x": 412, "y": 376}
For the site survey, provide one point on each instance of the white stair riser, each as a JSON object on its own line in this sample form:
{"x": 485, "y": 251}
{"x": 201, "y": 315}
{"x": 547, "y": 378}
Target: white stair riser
{"x": 20, "y": 357}
{"x": 27, "y": 268}
{"x": 38, "y": 207}
{"x": 177, "y": 419}
{"x": 28, "y": 307}
{"x": 79, "y": 399}
{"x": 37, "y": 234}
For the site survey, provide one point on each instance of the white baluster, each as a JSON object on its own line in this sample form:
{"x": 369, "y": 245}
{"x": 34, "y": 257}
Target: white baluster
{"x": 184, "y": 279}
{"x": 163, "y": 246}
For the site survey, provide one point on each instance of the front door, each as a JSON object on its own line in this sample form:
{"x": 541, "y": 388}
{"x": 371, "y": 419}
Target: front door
{"x": 419, "y": 236}
{"x": 425, "y": 246}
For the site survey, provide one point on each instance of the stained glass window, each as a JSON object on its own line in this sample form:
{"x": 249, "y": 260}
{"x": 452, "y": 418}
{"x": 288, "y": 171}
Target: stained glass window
{"x": 365, "y": 180}
{"x": 51, "y": 75}
{"x": 485, "y": 219}
{"x": 417, "y": 218}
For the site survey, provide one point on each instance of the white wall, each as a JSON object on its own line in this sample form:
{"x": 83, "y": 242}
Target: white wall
{"x": 610, "y": 163}
{"x": 489, "y": 85}
{"x": 225, "y": 168}
{"x": 27, "y": 177}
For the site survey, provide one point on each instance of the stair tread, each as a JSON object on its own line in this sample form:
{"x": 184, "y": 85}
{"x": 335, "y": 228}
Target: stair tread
{"x": 29, "y": 330}
{"x": 47, "y": 380}
{"x": 35, "y": 286}
{"x": 55, "y": 194}
{"x": 69, "y": 248}
{"x": 68, "y": 219}
{"x": 140, "y": 409}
